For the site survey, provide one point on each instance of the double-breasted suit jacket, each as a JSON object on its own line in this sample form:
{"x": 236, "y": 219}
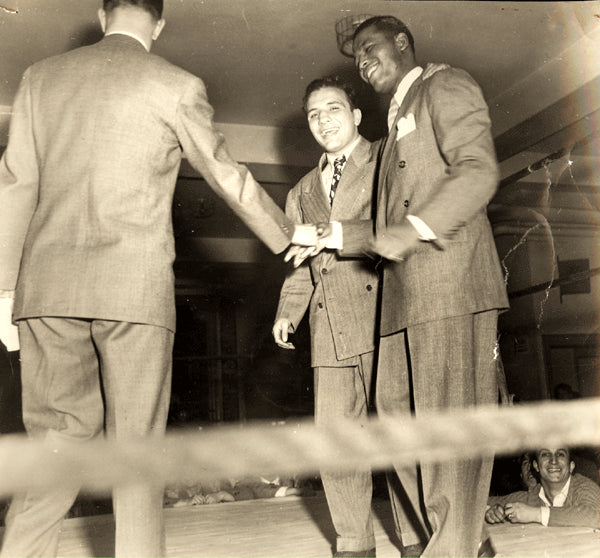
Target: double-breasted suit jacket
{"x": 439, "y": 164}
{"x": 87, "y": 182}
{"x": 341, "y": 292}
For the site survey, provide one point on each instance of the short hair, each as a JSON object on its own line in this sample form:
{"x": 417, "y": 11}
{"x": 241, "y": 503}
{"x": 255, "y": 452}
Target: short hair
{"x": 389, "y": 25}
{"x": 153, "y": 7}
{"x": 330, "y": 81}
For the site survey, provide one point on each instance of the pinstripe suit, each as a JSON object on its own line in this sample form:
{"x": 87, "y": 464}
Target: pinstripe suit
{"x": 86, "y": 188}
{"x": 439, "y": 307}
{"x": 341, "y": 296}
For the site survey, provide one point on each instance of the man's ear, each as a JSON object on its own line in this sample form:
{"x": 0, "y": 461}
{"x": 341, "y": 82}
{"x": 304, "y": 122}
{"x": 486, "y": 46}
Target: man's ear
{"x": 357, "y": 116}
{"x": 160, "y": 25}
{"x": 534, "y": 464}
{"x": 401, "y": 41}
{"x": 102, "y": 18}
{"x": 572, "y": 467}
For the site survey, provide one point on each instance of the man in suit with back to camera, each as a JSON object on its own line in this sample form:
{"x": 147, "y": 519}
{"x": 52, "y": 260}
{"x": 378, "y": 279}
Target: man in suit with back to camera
{"x": 340, "y": 293}
{"x": 86, "y": 188}
{"x": 442, "y": 286}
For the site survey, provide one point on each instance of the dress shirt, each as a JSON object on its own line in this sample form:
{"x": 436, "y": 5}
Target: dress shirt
{"x": 401, "y": 92}
{"x": 558, "y": 502}
{"x": 129, "y": 34}
{"x": 336, "y": 240}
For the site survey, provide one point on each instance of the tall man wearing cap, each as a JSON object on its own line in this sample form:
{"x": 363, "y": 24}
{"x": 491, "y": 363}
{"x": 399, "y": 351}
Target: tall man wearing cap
{"x": 86, "y": 188}
{"x": 442, "y": 284}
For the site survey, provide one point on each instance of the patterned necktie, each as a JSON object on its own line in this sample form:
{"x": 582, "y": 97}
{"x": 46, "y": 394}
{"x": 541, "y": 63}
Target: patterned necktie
{"x": 338, "y": 164}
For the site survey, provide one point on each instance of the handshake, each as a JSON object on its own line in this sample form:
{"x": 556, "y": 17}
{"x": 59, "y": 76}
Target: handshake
{"x": 308, "y": 240}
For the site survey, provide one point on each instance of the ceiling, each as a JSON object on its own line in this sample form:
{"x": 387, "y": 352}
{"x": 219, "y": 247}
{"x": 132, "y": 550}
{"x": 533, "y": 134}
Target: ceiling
{"x": 537, "y": 62}
{"x": 257, "y": 56}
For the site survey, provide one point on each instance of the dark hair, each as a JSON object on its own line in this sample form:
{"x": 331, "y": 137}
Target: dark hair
{"x": 389, "y": 25}
{"x": 330, "y": 81}
{"x": 153, "y": 7}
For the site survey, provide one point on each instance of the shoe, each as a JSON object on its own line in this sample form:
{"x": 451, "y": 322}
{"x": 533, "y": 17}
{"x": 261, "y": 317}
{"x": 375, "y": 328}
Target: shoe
{"x": 355, "y": 553}
{"x": 412, "y": 550}
{"x": 486, "y": 549}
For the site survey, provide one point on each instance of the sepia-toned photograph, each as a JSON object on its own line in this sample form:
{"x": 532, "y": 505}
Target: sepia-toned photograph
{"x": 299, "y": 279}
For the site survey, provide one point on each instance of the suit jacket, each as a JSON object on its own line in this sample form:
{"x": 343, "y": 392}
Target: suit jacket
{"x": 581, "y": 508}
{"x": 341, "y": 292}
{"x": 87, "y": 182}
{"x": 439, "y": 164}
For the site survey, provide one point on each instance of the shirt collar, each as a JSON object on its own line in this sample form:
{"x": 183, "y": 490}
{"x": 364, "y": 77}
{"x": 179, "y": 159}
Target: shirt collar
{"x": 405, "y": 84}
{"x": 559, "y": 499}
{"x": 132, "y": 35}
{"x": 329, "y": 158}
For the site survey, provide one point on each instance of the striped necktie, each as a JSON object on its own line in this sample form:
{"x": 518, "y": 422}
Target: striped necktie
{"x": 392, "y": 113}
{"x": 338, "y": 165}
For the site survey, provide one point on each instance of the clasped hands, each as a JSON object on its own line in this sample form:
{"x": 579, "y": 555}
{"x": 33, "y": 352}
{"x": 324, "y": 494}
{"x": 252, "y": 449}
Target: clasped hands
{"x": 515, "y": 512}
{"x": 308, "y": 240}
{"x": 395, "y": 243}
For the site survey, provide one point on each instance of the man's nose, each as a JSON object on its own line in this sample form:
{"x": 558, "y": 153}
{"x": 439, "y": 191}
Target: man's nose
{"x": 323, "y": 116}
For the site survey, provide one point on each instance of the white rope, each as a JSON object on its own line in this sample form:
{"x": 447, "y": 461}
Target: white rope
{"x": 300, "y": 448}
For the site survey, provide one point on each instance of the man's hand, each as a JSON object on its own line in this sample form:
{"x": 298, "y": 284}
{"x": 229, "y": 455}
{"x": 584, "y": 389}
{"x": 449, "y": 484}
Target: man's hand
{"x": 495, "y": 514}
{"x": 305, "y": 235}
{"x": 281, "y": 328}
{"x": 300, "y": 252}
{"x": 396, "y": 242}
{"x": 9, "y": 334}
{"x": 517, "y": 512}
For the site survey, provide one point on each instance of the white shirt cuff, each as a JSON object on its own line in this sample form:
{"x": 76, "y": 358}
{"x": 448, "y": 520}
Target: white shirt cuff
{"x": 336, "y": 240}
{"x": 425, "y": 233}
{"x": 545, "y": 516}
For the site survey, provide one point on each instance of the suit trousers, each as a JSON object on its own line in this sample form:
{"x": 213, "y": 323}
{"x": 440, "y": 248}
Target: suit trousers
{"x": 437, "y": 366}
{"x": 343, "y": 393}
{"x": 78, "y": 377}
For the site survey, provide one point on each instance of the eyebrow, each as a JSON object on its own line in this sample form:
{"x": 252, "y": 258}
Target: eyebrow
{"x": 329, "y": 103}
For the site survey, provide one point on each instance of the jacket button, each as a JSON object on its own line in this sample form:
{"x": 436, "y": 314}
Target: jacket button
{"x": 324, "y": 271}
{"x": 320, "y": 305}
{"x": 402, "y": 164}
{"x": 406, "y": 203}
{"x": 369, "y": 288}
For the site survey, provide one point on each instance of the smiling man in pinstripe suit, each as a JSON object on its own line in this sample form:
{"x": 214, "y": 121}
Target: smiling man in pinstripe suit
{"x": 340, "y": 292}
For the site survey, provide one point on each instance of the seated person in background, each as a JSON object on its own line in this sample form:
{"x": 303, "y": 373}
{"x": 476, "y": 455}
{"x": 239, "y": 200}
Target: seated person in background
{"x": 194, "y": 494}
{"x": 528, "y": 477}
{"x": 230, "y": 490}
{"x": 560, "y": 499}
{"x": 256, "y": 486}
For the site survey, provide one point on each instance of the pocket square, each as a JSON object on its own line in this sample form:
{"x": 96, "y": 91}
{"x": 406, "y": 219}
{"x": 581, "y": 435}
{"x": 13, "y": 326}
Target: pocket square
{"x": 405, "y": 125}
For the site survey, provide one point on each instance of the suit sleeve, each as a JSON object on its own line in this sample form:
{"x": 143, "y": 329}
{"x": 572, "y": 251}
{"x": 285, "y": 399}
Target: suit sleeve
{"x": 19, "y": 186}
{"x": 206, "y": 151}
{"x": 297, "y": 288}
{"x": 357, "y": 234}
{"x": 462, "y": 128}
{"x": 519, "y": 496}
{"x": 582, "y": 509}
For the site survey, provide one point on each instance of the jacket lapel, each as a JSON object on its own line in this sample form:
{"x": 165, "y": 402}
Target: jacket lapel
{"x": 315, "y": 205}
{"x": 351, "y": 186}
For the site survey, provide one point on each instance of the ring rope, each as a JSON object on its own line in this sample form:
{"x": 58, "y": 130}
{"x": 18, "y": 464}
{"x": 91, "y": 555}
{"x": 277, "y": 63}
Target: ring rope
{"x": 300, "y": 448}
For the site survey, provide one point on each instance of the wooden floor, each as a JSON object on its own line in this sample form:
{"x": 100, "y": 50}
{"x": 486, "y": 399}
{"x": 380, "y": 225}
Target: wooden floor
{"x": 294, "y": 527}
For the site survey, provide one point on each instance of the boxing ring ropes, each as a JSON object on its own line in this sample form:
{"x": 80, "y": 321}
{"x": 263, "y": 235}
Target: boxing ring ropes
{"x": 300, "y": 448}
